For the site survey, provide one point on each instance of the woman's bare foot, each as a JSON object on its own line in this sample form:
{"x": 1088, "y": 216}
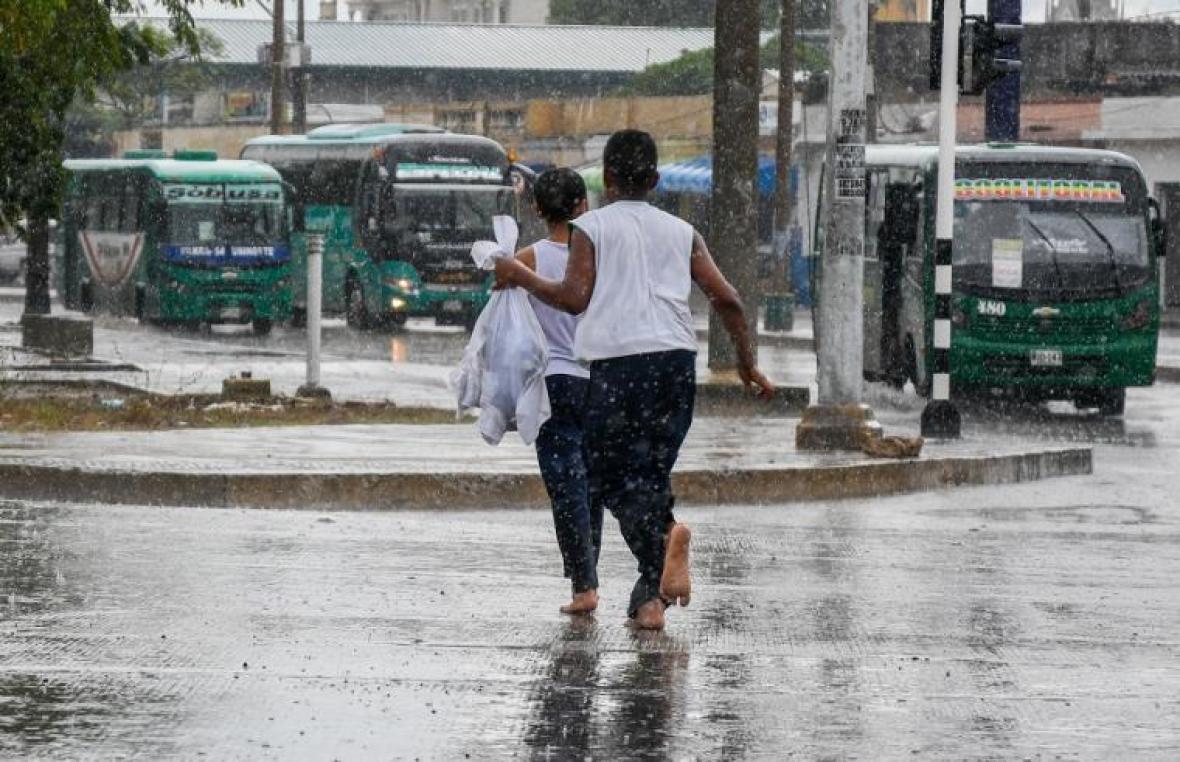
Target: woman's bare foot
{"x": 675, "y": 582}
{"x": 650, "y": 616}
{"x": 582, "y": 603}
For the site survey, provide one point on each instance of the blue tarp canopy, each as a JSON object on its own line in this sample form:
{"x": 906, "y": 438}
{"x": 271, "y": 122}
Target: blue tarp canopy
{"x": 696, "y": 176}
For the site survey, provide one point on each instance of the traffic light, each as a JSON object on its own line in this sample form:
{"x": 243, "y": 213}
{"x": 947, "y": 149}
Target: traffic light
{"x": 980, "y": 41}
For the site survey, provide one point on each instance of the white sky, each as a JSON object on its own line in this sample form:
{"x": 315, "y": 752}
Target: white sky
{"x": 1034, "y": 10}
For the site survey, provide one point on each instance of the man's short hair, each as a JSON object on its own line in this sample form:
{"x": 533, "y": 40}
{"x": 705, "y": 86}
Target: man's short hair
{"x": 631, "y": 157}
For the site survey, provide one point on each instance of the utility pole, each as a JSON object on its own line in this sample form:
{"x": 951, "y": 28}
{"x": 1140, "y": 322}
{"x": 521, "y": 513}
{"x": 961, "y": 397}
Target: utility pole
{"x": 940, "y": 418}
{"x": 299, "y": 101}
{"x": 733, "y": 225}
{"x": 779, "y": 307}
{"x": 278, "y": 79}
{"x": 839, "y": 421}
{"x": 872, "y": 102}
{"x": 1002, "y": 101}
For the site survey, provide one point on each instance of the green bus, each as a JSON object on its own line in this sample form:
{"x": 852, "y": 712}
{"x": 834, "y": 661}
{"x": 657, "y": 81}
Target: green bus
{"x": 185, "y": 240}
{"x": 399, "y": 207}
{"x": 1055, "y": 287}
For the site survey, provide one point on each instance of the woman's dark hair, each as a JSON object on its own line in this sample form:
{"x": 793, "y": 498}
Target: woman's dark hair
{"x": 631, "y": 158}
{"x": 558, "y": 193}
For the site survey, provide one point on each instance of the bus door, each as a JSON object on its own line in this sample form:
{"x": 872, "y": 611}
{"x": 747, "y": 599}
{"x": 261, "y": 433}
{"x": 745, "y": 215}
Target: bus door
{"x": 532, "y": 227}
{"x": 878, "y": 181}
{"x": 897, "y": 241}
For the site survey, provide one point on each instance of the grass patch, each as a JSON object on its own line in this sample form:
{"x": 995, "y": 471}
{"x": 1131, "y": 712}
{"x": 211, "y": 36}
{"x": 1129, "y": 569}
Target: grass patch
{"x": 105, "y": 410}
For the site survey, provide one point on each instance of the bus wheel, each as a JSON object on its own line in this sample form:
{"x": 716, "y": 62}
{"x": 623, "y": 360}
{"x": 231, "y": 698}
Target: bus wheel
{"x": 1112, "y": 402}
{"x": 911, "y": 369}
{"x": 397, "y": 321}
{"x": 355, "y": 314}
{"x": 298, "y": 317}
{"x": 262, "y": 326}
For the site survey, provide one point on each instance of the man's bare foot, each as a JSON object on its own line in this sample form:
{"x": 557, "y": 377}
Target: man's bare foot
{"x": 582, "y": 603}
{"x": 675, "y": 582}
{"x": 650, "y": 616}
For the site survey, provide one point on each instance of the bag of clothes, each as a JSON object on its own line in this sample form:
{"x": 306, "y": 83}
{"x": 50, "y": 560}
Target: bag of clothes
{"x": 502, "y": 372}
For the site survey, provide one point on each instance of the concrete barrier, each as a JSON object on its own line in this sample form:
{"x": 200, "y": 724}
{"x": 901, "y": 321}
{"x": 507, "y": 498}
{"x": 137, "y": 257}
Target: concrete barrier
{"x": 57, "y": 335}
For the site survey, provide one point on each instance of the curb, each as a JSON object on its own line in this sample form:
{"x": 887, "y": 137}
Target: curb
{"x": 465, "y": 491}
{"x": 1167, "y": 374}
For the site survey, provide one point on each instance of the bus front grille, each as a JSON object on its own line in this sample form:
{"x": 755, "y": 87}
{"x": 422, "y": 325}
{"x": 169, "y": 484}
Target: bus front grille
{"x": 1016, "y": 328}
{"x": 1020, "y": 366}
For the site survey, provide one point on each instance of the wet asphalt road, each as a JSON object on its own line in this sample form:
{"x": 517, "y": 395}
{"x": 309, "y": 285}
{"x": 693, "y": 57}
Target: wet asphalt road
{"x": 1030, "y": 621}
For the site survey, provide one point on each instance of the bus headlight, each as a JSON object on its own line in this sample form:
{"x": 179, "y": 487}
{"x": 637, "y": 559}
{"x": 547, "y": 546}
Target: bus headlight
{"x": 402, "y": 284}
{"x": 1139, "y": 317}
{"x": 397, "y": 304}
{"x": 958, "y": 317}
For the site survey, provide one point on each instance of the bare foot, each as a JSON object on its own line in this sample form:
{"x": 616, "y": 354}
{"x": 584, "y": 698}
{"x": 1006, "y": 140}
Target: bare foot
{"x": 582, "y": 603}
{"x": 650, "y": 615}
{"x": 675, "y": 582}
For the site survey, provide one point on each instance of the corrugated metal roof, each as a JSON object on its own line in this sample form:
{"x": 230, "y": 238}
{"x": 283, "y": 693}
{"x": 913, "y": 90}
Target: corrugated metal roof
{"x": 468, "y": 46}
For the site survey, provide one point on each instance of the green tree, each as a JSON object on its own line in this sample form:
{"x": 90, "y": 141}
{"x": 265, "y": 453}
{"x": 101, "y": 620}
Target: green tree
{"x": 692, "y": 72}
{"x": 52, "y": 53}
{"x": 173, "y": 68}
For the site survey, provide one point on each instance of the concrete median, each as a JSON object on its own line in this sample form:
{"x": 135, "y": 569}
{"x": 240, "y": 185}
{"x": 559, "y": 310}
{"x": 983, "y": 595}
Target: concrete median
{"x": 451, "y": 490}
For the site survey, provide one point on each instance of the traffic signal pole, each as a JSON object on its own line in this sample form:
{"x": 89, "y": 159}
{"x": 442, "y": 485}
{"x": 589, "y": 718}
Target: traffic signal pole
{"x": 940, "y": 418}
{"x": 1002, "y": 102}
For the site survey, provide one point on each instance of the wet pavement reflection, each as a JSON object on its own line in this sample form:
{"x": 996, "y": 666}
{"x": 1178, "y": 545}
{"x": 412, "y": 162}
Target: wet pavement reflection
{"x": 1035, "y": 620}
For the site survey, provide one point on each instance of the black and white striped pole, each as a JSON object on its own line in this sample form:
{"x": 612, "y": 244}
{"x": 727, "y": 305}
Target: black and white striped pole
{"x": 940, "y": 418}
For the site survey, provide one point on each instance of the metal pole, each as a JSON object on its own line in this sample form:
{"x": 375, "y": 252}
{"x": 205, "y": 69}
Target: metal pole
{"x": 299, "y": 106}
{"x": 940, "y": 418}
{"x": 1002, "y": 98}
{"x": 315, "y": 286}
{"x": 278, "y": 80}
{"x": 839, "y": 421}
{"x": 779, "y": 307}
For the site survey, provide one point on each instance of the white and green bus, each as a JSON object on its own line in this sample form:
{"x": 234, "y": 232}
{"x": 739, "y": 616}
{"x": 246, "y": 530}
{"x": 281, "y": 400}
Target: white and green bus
{"x": 186, "y": 240}
{"x": 1055, "y": 291}
{"x": 399, "y": 207}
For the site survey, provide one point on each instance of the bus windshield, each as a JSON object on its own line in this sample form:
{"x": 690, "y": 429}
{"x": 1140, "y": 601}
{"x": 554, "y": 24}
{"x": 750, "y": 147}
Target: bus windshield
{"x": 226, "y": 224}
{"x": 449, "y": 212}
{"x": 1056, "y": 234}
{"x": 1009, "y": 246}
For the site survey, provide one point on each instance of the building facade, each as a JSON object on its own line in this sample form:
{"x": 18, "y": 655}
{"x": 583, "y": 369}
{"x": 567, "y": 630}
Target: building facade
{"x": 450, "y": 11}
{"x": 1083, "y": 10}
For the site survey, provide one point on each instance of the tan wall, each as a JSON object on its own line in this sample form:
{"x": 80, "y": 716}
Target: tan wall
{"x": 673, "y": 117}
{"x": 556, "y": 131}
{"x": 226, "y": 139}
{"x": 903, "y": 10}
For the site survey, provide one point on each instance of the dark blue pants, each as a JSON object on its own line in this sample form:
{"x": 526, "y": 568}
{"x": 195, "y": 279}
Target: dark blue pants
{"x": 562, "y": 457}
{"x": 637, "y": 415}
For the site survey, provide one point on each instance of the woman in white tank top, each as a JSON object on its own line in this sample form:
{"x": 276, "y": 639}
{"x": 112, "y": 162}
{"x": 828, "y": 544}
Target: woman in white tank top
{"x": 561, "y": 196}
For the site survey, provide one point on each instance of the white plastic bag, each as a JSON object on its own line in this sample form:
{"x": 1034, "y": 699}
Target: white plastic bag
{"x": 503, "y": 368}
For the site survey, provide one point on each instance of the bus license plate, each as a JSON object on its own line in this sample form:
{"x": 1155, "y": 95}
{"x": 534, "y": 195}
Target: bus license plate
{"x": 231, "y": 313}
{"x": 452, "y": 305}
{"x": 1045, "y": 358}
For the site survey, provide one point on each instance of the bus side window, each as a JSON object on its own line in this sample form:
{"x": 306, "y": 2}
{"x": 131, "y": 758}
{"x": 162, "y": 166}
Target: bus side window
{"x": 368, "y": 206}
{"x": 129, "y": 207}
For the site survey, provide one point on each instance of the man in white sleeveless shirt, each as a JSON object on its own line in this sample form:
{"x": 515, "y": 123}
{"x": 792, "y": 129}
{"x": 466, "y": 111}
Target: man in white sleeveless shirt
{"x": 631, "y": 268}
